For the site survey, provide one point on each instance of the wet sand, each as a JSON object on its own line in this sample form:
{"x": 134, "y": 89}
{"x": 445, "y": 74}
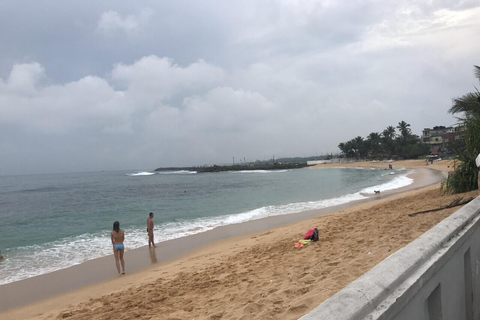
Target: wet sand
{"x": 240, "y": 271}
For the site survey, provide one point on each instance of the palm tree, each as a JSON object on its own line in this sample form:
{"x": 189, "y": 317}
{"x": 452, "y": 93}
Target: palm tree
{"x": 359, "y": 147}
{"x": 374, "y": 144}
{"x": 388, "y": 137}
{"x": 404, "y": 129}
{"x": 404, "y": 138}
{"x": 347, "y": 149}
{"x": 350, "y": 150}
{"x": 343, "y": 148}
{"x": 468, "y": 103}
{"x": 465, "y": 176}
{"x": 386, "y": 143}
{"x": 389, "y": 132}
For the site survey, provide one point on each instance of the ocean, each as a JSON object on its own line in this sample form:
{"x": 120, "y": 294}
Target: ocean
{"x": 53, "y": 221}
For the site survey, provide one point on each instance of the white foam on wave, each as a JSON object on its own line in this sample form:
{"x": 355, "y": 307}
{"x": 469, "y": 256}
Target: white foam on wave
{"x": 388, "y": 173}
{"x": 35, "y": 260}
{"x": 143, "y": 173}
{"x": 269, "y": 211}
{"x": 397, "y": 182}
{"x": 40, "y": 259}
{"x": 177, "y": 172}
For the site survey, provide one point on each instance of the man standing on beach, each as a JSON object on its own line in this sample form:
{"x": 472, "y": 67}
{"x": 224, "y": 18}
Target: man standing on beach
{"x": 477, "y": 162}
{"x": 150, "y": 230}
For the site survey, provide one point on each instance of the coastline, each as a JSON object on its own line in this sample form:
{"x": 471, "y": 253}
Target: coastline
{"x": 98, "y": 274}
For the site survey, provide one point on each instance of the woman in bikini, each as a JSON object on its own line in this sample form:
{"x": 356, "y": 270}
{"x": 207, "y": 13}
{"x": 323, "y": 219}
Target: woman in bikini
{"x": 117, "y": 235}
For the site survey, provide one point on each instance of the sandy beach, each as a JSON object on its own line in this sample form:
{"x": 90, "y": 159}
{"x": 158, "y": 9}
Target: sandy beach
{"x": 253, "y": 271}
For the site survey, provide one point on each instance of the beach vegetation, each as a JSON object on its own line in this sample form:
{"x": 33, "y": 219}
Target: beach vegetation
{"x": 374, "y": 142}
{"x": 388, "y": 144}
{"x": 467, "y": 109}
{"x": 388, "y": 141}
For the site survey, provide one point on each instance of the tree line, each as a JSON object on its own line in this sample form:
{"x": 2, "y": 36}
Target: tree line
{"x": 387, "y": 144}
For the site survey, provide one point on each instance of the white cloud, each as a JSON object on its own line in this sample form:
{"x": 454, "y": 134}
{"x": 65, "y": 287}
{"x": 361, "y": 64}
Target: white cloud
{"x": 84, "y": 104}
{"x": 23, "y": 78}
{"x": 159, "y": 78}
{"x": 411, "y": 26}
{"x": 92, "y": 103}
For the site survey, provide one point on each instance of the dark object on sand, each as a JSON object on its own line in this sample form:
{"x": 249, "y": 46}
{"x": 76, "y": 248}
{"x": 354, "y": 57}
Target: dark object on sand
{"x": 454, "y": 203}
{"x": 312, "y": 234}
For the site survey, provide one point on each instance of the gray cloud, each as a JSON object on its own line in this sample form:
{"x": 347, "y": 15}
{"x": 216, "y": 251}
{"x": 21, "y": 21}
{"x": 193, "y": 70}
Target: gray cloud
{"x": 112, "y": 21}
{"x": 141, "y": 85}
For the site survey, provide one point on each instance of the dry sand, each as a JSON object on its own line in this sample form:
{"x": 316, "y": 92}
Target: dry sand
{"x": 442, "y": 165}
{"x": 261, "y": 275}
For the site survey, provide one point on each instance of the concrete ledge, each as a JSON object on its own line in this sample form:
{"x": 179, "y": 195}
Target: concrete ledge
{"x": 391, "y": 287}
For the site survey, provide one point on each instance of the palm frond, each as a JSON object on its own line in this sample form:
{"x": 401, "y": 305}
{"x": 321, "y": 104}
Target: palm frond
{"x": 467, "y": 103}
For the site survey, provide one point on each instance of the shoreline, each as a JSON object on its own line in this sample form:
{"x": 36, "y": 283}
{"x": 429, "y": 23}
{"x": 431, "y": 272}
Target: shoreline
{"x": 142, "y": 260}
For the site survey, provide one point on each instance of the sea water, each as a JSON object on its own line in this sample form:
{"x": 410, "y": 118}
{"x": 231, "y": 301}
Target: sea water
{"x": 54, "y": 221}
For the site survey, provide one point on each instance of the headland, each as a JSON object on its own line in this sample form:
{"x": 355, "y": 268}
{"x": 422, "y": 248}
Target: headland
{"x": 237, "y": 167}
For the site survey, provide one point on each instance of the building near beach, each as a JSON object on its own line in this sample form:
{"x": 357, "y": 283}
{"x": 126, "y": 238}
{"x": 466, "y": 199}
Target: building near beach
{"x": 440, "y": 137}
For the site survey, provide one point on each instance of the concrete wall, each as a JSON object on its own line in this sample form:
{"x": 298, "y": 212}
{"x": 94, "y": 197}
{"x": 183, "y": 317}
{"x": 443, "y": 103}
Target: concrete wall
{"x": 313, "y": 162}
{"x": 333, "y": 160}
{"x": 435, "y": 277}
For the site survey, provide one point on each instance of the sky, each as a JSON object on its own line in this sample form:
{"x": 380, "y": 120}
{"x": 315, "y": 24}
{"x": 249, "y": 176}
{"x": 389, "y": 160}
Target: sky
{"x": 120, "y": 85}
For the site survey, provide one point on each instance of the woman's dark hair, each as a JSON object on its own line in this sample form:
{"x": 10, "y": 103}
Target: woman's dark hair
{"x": 116, "y": 226}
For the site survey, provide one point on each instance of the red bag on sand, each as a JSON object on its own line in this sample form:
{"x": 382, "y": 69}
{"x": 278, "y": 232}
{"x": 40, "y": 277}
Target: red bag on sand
{"x": 311, "y": 234}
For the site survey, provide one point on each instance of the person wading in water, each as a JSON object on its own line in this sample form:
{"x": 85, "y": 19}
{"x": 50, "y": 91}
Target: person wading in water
{"x": 150, "y": 230}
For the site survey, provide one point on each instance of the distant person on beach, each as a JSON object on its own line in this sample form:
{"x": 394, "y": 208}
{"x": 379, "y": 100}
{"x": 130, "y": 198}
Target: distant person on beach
{"x": 477, "y": 162}
{"x": 118, "y": 236}
{"x": 150, "y": 230}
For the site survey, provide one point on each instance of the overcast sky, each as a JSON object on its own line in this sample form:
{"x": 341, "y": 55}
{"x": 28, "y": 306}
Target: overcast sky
{"x": 99, "y": 85}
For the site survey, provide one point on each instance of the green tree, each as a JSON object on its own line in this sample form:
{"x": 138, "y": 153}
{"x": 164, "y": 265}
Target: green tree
{"x": 404, "y": 129}
{"x": 347, "y": 149}
{"x": 358, "y": 145}
{"x": 388, "y": 141}
{"x": 402, "y": 139}
{"x": 415, "y": 148}
{"x": 464, "y": 178}
{"x": 374, "y": 144}
{"x": 389, "y": 133}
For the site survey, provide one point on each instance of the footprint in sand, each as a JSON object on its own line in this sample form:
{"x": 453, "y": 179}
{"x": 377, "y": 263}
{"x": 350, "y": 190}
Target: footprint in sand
{"x": 298, "y": 309}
